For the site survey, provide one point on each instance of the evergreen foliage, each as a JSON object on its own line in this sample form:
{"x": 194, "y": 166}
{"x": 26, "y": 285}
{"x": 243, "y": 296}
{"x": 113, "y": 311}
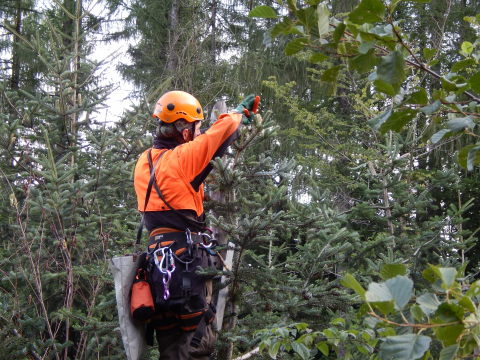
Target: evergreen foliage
{"x": 364, "y": 170}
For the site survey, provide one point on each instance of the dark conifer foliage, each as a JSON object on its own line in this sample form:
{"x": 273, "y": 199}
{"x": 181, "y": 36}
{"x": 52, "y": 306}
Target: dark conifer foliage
{"x": 310, "y": 192}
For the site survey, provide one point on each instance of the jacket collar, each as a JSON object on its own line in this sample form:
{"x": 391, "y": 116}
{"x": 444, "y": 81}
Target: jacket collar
{"x": 165, "y": 143}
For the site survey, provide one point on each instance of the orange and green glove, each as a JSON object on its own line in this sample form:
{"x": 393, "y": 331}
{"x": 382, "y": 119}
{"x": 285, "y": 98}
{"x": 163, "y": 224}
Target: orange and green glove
{"x": 248, "y": 107}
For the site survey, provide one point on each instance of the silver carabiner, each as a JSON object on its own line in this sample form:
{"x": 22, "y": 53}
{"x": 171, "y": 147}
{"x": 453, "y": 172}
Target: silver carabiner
{"x": 159, "y": 263}
{"x": 167, "y": 263}
{"x": 206, "y": 235}
{"x": 167, "y": 276}
{"x": 210, "y": 240}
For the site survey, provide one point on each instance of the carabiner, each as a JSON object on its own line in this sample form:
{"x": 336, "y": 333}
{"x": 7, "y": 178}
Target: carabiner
{"x": 167, "y": 276}
{"x": 167, "y": 263}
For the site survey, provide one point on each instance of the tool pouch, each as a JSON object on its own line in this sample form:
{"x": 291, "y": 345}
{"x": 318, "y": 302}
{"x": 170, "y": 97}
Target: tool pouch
{"x": 142, "y": 307}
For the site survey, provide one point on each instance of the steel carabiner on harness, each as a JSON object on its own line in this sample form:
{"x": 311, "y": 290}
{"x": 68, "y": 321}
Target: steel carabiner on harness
{"x": 211, "y": 242}
{"x": 166, "y": 266}
{"x": 166, "y": 284}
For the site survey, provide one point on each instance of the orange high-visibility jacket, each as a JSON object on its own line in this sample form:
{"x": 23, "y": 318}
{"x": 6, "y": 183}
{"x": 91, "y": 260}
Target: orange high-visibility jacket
{"x": 182, "y": 170}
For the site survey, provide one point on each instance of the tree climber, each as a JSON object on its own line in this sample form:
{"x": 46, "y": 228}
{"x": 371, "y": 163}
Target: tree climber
{"x": 173, "y": 214}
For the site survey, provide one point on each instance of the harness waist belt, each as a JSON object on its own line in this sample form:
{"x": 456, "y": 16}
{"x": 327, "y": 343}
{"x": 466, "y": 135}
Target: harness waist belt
{"x": 179, "y": 238}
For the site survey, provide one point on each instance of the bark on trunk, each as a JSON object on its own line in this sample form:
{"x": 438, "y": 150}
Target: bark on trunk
{"x": 214, "y": 30}
{"x": 172, "y": 36}
{"x": 15, "y": 77}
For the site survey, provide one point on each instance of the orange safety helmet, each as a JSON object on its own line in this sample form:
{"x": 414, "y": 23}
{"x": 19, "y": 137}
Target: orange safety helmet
{"x": 175, "y": 105}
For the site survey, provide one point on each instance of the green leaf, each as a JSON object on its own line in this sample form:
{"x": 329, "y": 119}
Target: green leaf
{"x": 323, "y": 15}
{"x": 448, "y": 82}
{"x": 323, "y": 348}
{"x": 331, "y": 75}
{"x": 379, "y": 295}
{"x": 428, "y": 302}
{"x": 463, "y": 64}
{"x": 384, "y": 87}
{"x": 447, "y": 275}
{"x": 366, "y": 46}
{"x": 363, "y": 62}
{"x": 370, "y": 322}
{"x": 295, "y": 46}
{"x": 474, "y": 82}
{"x": 318, "y": 58}
{"x": 301, "y": 326}
{"x": 273, "y": 349}
{"x": 467, "y": 47}
{"x": 459, "y": 124}
{"x": 468, "y": 157}
{"x": 368, "y": 11}
{"x": 417, "y": 313}
{"x": 337, "y": 34}
{"x": 350, "y": 282}
{"x": 439, "y": 135}
{"x": 467, "y": 303}
{"x": 430, "y": 109}
{"x": 338, "y": 321}
{"x": 401, "y": 288}
{"x": 284, "y": 27}
{"x": 448, "y": 312}
{"x": 301, "y": 350}
{"x": 292, "y": 5}
{"x": 449, "y": 335}
{"x": 377, "y": 121}
{"x": 428, "y": 54}
{"x": 474, "y": 289}
{"x": 419, "y": 1}
{"x": 308, "y": 19}
{"x": 419, "y": 97}
{"x": 391, "y": 70}
{"x": 263, "y": 11}
{"x": 448, "y": 353}
{"x": 472, "y": 157}
{"x": 404, "y": 347}
{"x": 388, "y": 271}
{"x": 382, "y": 31}
{"x": 398, "y": 120}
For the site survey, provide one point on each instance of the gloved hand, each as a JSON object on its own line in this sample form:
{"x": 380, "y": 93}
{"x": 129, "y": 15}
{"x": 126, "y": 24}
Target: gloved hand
{"x": 248, "y": 107}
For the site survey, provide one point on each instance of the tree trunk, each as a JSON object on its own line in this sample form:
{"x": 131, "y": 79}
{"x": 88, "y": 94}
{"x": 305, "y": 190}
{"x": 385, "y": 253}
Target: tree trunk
{"x": 15, "y": 77}
{"x": 214, "y": 30}
{"x": 172, "y": 36}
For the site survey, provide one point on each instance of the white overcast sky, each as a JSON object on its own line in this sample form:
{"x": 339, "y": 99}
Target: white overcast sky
{"x": 114, "y": 54}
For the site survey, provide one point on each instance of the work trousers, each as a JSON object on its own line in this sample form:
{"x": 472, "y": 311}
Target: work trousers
{"x": 175, "y": 344}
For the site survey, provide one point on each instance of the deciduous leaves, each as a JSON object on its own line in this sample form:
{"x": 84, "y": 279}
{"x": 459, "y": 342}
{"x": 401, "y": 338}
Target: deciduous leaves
{"x": 263, "y": 11}
{"x": 295, "y": 46}
{"x": 349, "y": 281}
{"x": 397, "y": 290}
{"x": 404, "y": 347}
{"x": 449, "y": 352}
{"x": 428, "y": 303}
{"x": 390, "y": 73}
{"x": 323, "y": 19}
{"x": 368, "y": 11}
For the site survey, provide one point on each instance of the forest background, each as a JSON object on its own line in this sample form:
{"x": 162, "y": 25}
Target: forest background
{"x": 362, "y": 175}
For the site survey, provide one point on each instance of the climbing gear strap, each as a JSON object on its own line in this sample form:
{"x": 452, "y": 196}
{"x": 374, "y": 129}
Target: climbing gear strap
{"x": 149, "y": 190}
{"x": 207, "y": 318}
{"x": 181, "y": 239}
